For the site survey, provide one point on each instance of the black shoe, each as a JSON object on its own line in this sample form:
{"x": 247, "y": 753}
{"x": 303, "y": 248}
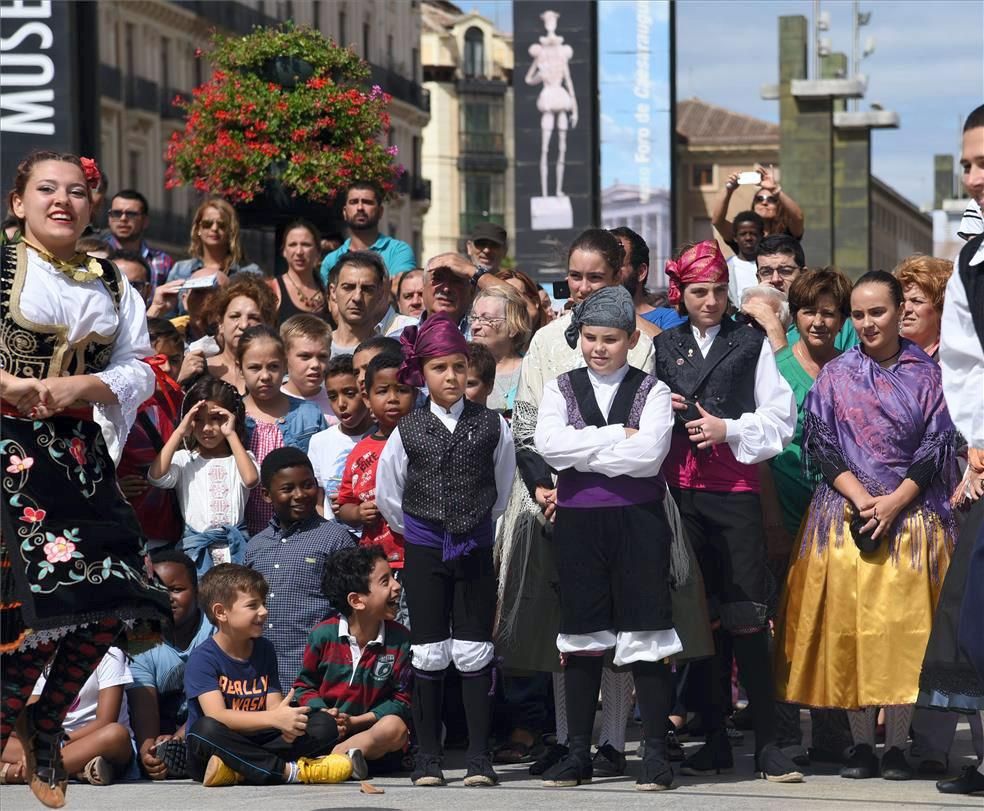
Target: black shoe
{"x": 173, "y": 753}
{"x": 674, "y": 749}
{"x": 714, "y": 757}
{"x": 427, "y": 771}
{"x": 569, "y": 772}
{"x": 970, "y": 781}
{"x": 656, "y": 775}
{"x": 931, "y": 767}
{"x": 894, "y": 766}
{"x": 861, "y": 763}
{"x": 480, "y": 772}
{"x": 555, "y": 753}
{"x": 608, "y": 761}
{"x": 775, "y": 766}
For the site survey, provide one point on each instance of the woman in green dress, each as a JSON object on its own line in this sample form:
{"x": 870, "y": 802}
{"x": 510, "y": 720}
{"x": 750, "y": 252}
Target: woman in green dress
{"x": 819, "y": 302}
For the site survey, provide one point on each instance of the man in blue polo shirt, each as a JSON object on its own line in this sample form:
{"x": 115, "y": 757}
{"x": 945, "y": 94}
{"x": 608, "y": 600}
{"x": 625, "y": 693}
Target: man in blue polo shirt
{"x": 362, "y": 212}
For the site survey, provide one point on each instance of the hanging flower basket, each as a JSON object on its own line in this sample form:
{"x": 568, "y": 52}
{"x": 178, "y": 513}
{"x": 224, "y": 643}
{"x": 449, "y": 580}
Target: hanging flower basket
{"x": 285, "y": 115}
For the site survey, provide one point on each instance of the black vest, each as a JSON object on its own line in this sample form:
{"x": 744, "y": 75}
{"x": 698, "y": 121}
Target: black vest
{"x": 972, "y": 277}
{"x": 450, "y": 477}
{"x": 583, "y": 409}
{"x": 27, "y": 351}
{"x": 724, "y": 381}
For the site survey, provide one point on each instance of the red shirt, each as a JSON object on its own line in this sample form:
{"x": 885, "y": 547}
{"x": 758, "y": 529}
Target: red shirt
{"x": 359, "y": 485}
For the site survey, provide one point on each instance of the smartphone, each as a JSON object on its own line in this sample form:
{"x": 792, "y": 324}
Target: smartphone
{"x": 749, "y": 179}
{"x": 561, "y": 291}
{"x": 201, "y": 283}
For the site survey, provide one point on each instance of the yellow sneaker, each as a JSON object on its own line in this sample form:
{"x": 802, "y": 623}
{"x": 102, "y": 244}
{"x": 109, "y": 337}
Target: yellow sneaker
{"x": 327, "y": 769}
{"x": 218, "y": 774}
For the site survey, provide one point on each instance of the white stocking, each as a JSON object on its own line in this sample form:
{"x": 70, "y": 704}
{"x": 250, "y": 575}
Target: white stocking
{"x": 616, "y": 704}
{"x": 863, "y": 725}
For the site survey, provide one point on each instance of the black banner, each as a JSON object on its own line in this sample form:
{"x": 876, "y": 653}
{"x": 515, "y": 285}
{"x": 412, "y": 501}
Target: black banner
{"x": 556, "y": 130}
{"x": 47, "y": 85}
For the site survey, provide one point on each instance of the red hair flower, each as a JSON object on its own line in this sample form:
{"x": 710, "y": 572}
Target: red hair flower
{"x": 92, "y": 174}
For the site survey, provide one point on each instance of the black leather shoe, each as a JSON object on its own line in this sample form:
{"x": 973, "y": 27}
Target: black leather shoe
{"x": 714, "y": 757}
{"x": 970, "y": 781}
{"x": 861, "y": 763}
{"x": 894, "y": 766}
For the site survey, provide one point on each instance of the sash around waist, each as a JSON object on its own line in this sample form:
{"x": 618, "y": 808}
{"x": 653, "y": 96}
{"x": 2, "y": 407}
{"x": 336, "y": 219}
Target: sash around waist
{"x": 577, "y": 490}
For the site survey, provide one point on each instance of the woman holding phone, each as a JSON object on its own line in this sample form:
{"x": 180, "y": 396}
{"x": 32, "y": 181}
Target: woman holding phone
{"x": 778, "y": 210}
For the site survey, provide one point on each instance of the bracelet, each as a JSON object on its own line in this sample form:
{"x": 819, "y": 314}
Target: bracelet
{"x": 478, "y": 275}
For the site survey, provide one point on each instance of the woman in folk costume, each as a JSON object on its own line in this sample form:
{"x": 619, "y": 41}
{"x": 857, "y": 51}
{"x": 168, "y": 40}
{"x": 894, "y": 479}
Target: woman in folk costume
{"x": 72, "y": 563}
{"x": 734, "y": 410}
{"x": 606, "y": 430}
{"x": 529, "y": 608}
{"x": 875, "y": 545}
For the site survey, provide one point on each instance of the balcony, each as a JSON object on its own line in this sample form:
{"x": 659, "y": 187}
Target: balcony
{"x": 481, "y": 143}
{"x": 400, "y": 87}
{"x": 110, "y": 82}
{"x": 229, "y": 15}
{"x": 142, "y": 94}
{"x": 417, "y": 187}
{"x": 467, "y": 220}
{"x": 481, "y": 85}
{"x": 482, "y": 162}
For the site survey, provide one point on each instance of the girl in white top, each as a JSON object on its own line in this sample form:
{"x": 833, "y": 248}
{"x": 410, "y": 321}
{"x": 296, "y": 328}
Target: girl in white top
{"x": 213, "y": 476}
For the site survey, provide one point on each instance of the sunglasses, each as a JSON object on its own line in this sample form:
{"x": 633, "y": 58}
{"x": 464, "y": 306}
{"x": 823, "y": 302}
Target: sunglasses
{"x": 784, "y": 272}
{"x": 761, "y": 199}
{"x": 123, "y": 214}
{"x": 205, "y": 225}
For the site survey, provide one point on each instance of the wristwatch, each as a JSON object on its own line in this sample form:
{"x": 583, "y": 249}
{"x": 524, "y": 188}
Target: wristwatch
{"x": 479, "y": 273}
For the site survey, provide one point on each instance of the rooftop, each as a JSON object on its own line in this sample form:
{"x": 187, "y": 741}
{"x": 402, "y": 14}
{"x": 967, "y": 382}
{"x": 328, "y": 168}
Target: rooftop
{"x": 701, "y": 124}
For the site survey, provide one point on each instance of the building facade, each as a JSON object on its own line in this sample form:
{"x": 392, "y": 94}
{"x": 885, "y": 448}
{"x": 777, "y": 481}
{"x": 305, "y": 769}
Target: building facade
{"x": 147, "y": 56}
{"x": 468, "y": 142}
{"x": 621, "y": 206}
{"x": 713, "y": 142}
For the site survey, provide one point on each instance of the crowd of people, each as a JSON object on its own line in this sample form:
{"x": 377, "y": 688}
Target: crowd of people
{"x": 287, "y": 529}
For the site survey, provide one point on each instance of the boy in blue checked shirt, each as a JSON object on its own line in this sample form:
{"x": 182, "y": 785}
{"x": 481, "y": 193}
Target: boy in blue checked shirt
{"x": 291, "y": 554}
{"x": 357, "y": 662}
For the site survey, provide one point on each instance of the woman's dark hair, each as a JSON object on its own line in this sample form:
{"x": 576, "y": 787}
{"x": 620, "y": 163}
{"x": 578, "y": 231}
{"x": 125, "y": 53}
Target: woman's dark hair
{"x": 806, "y": 290}
{"x": 258, "y": 332}
{"x": 159, "y": 328}
{"x": 347, "y": 571}
{"x": 886, "y": 278}
{"x": 600, "y": 241}
{"x": 26, "y": 166}
{"x": 308, "y": 226}
{"x": 218, "y": 391}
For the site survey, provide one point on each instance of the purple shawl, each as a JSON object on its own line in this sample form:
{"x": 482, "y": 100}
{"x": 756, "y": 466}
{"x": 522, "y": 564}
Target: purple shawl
{"x": 878, "y": 423}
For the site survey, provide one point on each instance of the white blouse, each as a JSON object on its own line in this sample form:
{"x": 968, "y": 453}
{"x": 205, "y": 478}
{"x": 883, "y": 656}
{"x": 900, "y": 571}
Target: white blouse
{"x": 391, "y": 471}
{"x": 49, "y": 297}
{"x": 962, "y": 360}
{"x": 759, "y": 435}
{"x": 605, "y": 450}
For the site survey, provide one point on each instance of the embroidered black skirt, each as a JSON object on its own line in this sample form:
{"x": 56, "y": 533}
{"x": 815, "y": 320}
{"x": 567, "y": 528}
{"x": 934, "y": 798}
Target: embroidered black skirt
{"x": 72, "y": 549}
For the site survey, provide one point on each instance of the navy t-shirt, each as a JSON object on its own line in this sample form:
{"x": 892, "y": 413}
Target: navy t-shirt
{"x": 244, "y": 684}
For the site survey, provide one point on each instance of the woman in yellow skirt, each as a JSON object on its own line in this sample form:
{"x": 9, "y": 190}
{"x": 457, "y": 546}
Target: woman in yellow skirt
{"x": 862, "y": 588}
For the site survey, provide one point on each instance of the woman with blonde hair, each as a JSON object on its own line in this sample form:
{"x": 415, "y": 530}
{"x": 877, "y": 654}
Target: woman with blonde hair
{"x": 923, "y": 279}
{"x": 500, "y": 322}
{"x": 214, "y": 242}
{"x": 245, "y": 302}
{"x": 527, "y": 288}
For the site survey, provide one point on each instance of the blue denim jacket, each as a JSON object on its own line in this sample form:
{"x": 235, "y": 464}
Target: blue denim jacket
{"x": 301, "y": 423}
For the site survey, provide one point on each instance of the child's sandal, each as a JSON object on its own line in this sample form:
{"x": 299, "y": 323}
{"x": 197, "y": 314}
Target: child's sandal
{"x": 98, "y": 772}
{"x": 12, "y": 774}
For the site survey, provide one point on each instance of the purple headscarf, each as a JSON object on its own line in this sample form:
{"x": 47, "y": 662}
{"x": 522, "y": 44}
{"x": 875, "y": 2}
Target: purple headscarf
{"x": 436, "y": 336}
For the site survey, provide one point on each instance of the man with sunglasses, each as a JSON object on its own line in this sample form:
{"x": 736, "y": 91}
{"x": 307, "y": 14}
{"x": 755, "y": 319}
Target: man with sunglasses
{"x": 129, "y": 217}
{"x": 779, "y": 260}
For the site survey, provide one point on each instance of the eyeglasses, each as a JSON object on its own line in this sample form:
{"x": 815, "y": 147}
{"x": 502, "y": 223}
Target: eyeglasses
{"x": 124, "y": 214}
{"x": 484, "y": 320}
{"x": 765, "y": 199}
{"x": 205, "y": 225}
{"x": 784, "y": 272}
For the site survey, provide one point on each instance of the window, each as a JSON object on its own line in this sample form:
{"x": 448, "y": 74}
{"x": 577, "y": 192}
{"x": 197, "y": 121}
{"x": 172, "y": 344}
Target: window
{"x": 474, "y": 52}
{"x": 165, "y": 63}
{"x": 702, "y": 176}
{"x": 342, "y": 28}
{"x": 484, "y": 195}
{"x": 129, "y": 34}
{"x": 316, "y": 15}
{"x": 366, "y": 35}
{"x": 480, "y": 124}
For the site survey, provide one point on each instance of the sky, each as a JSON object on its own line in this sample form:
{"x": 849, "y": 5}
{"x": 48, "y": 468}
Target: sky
{"x": 928, "y": 66}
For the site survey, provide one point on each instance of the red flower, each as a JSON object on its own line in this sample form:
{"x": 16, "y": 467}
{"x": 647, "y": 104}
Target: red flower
{"x": 77, "y": 449}
{"x": 32, "y": 516}
{"x": 92, "y": 174}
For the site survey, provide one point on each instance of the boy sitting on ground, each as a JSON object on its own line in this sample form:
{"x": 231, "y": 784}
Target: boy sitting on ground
{"x": 357, "y": 662}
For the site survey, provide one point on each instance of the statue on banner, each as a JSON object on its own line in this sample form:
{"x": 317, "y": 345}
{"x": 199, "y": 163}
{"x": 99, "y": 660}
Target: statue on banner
{"x": 557, "y": 104}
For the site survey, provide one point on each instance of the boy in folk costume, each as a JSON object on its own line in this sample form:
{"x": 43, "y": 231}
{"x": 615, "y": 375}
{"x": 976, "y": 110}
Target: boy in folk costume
{"x": 442, "y": 481}
{"x": 734, "y": 410}
{"x": 606, "y": 430}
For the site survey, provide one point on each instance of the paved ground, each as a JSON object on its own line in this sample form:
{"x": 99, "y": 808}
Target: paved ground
{"x": 737, "y": 792}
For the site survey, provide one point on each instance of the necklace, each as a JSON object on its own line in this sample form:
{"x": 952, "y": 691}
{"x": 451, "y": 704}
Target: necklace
{"x": 80, "y": 268}
{"x": 313, "y": 302}
{"x": 890, "y": 358}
